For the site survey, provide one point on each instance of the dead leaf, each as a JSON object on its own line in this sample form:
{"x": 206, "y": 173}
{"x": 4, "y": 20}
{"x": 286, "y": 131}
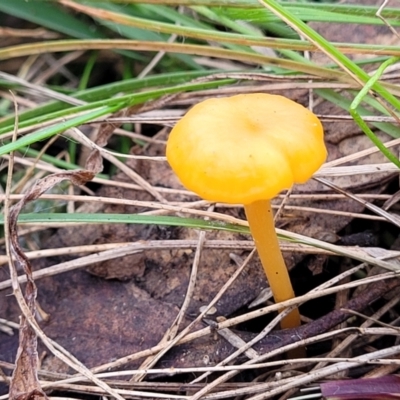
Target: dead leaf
{"x": 24, "y": 383}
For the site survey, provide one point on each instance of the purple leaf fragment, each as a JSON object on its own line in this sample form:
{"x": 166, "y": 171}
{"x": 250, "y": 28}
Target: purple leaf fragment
{"x": 386, "y": 387}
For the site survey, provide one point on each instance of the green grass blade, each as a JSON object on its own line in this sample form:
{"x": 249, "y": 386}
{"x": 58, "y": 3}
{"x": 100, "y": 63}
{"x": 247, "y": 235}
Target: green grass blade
{"x": 329, "y": 49}
{"x": 50, "y": 16}
{"x": 62, "y": 218}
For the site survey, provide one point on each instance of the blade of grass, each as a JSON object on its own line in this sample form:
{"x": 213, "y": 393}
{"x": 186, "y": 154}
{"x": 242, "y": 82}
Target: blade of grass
{"x": 72, "y": 145}
{"x": 197, "y": 223}
{"x": 312, "y": 12}
{"x": 305, "y": 8}
{"x": 345, "y": 103}
{"x": 50, "y": 16}
{"x": 56, "y": 162}
{"x": 361, "y": 123}
{"x": 329, "y": 49}
{"x": 345, "y": 63}
{"x": 91, "y": 62}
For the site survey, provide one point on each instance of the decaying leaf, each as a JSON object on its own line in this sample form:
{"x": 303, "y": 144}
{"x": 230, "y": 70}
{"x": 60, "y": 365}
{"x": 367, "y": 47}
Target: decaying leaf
{"x": 384, "y": 388}
{"x": 24, "y": 383}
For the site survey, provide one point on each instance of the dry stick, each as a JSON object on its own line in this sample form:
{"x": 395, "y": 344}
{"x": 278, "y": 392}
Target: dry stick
{"x": 29, "y": 172}
{"x": 99, "y": 391}
{"x": 171, "y": 371}
{"x": 333, "y": 281}
{"x": 168, "y": 117}
{"x": 356, "y": 170}
{"x": 56, "y": 65}
{"x": 272, "y": 324}
{"x": 162, "y": 348}
{"x": 36, "y": 33}
{"x": 5, "y": 378}
{"x": 239, "y": 351}
{"x": 322, "y": 324}
{"x": 268, "y": 347}
{"x": 307, "y": 297}
{"x": 156, "y": 59}
{"x": 6, "y": 329}
{"x": 335, "y": 213}
{"x": 171, "y": 333}
{"x": 55, "y": 348}
{"x": 141, "y": 246}
{"x": 282, "y": 204}
{"x": 340, "y": 300}
{"x": 76, "y": 134}
{"x": 276, "y": 387}
{"x": 379, "y": 15}
{"x": 224, "y": 288}
{"x": 394, "y": 219}
{"x": 236, "y": 341}
{"x": 265, "y": 331}
{"x": 52, "y": 94}
{"x": 134, "y": 176}
{"x": 349, "y": 339}
{"x": 373, "y": 320}
{"x": 115, "y": 250}
{"x": 102, "y": 140}
{"x": 326, "y": 170}
{"x": 245, "y": 390}
{"x": 191, "y": 207}
{"x": 327, "y": 371}
{"x": 181, "y": 337}
{"x": 237, "y": 320}
{"x": 29, "y": 327}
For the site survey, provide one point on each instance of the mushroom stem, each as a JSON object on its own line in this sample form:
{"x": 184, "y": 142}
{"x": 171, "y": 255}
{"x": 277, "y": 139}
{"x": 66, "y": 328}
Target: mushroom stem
{"x": 261, "y": 221}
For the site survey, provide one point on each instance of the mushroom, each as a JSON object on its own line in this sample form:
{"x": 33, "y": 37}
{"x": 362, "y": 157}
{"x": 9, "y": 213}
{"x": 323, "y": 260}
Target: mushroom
{"x": 246, "y": 149}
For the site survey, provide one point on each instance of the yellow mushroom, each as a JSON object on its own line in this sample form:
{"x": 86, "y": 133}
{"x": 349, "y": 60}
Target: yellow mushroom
{"x": 246, "y": 149}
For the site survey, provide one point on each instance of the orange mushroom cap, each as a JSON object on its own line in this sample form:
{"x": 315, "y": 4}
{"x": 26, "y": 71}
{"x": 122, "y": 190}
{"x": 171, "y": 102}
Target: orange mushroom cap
{"x": 245, "y": 148}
